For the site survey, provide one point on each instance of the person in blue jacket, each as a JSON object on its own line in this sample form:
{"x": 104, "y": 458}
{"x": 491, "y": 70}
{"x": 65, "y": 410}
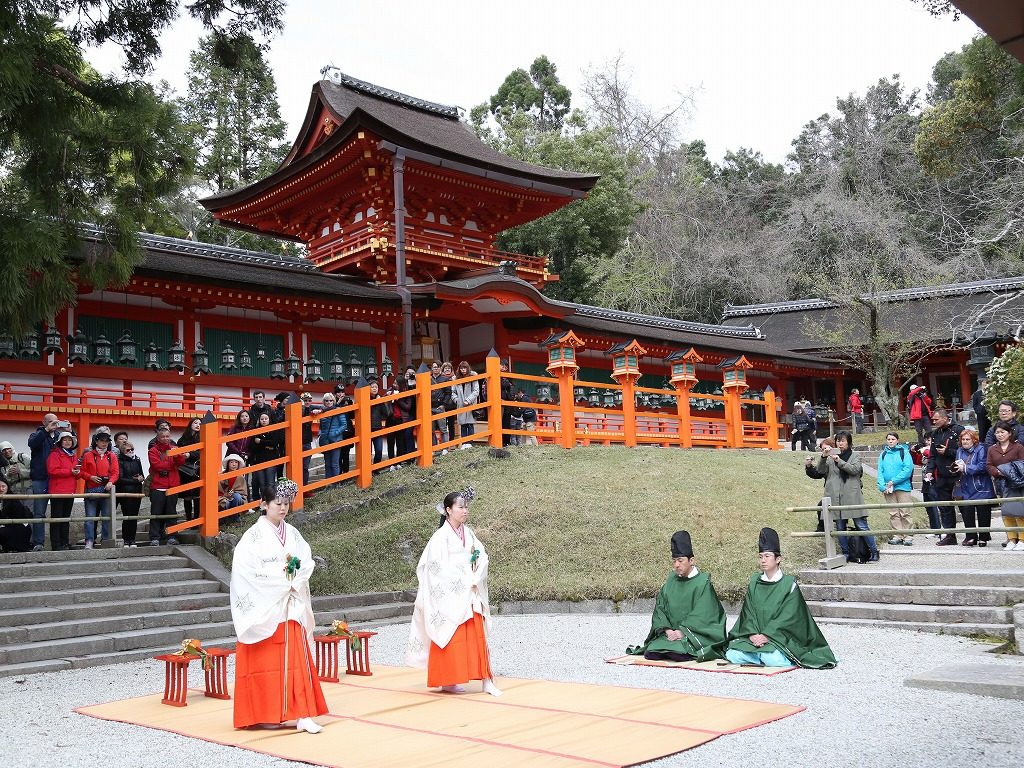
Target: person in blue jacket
{"x": 974, "y": 484}
{"x": 895, "y": 469}
{"x": 332, "y": 430}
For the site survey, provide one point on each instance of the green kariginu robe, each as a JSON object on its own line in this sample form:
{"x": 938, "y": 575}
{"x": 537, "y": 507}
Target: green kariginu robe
{"x": 690, "y": 605}
{"x": 777, "y": 610}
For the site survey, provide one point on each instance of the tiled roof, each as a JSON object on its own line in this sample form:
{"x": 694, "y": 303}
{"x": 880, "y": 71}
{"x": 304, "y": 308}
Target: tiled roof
{"x": 340, "y": 78}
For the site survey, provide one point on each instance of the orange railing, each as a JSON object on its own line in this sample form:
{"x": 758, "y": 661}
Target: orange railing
{"x": 27, "y": 393}
{"x": 563, "y": 423}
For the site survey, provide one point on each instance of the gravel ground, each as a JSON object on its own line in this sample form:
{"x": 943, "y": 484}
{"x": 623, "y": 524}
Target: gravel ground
{"x": 857, "y": 714}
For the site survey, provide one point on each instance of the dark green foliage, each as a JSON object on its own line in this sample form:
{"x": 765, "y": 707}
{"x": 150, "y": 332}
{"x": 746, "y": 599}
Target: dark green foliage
{"x": 80, "y": 147}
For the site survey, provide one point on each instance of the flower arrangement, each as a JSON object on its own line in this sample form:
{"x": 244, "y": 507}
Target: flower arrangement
{"x": 340, "y": 629}
{"x": 193, "y": 647}
{"x": 291, "y": 566}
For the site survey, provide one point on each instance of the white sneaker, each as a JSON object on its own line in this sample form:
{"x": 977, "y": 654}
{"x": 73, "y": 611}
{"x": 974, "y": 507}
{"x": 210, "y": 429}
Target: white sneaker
{"x": 464, "y": 447}
{"x": 1019, "y": 547}
{"x": 308, "y": 724}
{"x": 88, "y": 545}
{"x": 491, "y": 688}
{"x": 444, "y": 451}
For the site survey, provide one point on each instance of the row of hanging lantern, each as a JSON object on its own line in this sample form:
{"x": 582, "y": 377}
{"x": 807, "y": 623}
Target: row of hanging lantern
{"x": 125, "y": 351}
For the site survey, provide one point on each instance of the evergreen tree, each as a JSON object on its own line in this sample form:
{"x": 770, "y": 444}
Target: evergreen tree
{"x": 234, "y": 115}
{"x": 79, "y": 147}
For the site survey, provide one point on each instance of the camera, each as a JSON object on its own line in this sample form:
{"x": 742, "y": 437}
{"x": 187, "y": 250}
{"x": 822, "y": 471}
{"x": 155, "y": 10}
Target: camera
{"x": 65, "y": 425}
{"x": 104, "y": 479}
{"x": 163, "y": 473}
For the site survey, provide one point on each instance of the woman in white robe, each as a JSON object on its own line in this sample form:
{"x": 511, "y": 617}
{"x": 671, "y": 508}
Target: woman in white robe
{"x": 451, "y": 619}
{"x": 275, "y": 675}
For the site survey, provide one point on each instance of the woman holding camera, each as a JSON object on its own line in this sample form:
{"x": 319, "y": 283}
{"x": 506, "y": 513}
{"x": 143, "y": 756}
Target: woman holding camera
{"x": 62, "y": 469}
{"x": 100, "y": 469}
{"x": 841, "y": 469}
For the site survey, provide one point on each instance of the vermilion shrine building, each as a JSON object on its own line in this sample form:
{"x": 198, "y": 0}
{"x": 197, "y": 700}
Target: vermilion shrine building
{"x": 399, "y": 205}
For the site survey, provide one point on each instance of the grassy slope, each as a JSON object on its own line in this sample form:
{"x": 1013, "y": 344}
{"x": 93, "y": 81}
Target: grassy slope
{"x": 572, "y": 525}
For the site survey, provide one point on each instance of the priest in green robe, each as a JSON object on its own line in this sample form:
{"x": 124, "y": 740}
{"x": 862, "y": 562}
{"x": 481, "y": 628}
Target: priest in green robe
{"x": 688, "y": 622}
{"x": 774, "y": 628}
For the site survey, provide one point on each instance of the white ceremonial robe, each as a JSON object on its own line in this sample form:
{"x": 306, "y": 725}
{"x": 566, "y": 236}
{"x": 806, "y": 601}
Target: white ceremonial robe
{"x": 450, "y": 591}
{"x": 262, "y": 595}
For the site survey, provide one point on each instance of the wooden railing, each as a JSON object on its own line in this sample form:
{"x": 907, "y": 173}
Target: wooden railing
{"x": 563, "y": 423}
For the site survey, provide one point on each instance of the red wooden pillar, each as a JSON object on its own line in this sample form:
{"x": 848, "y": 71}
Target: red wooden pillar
{"x": 683, "y": 411}
{"x": 965, "y": 383}
{"x": 423, "y": 417}
{"x": 293, "y": 449}
{"x": 840, "y": 398}
{"x": 493, "y": 364}
{"x": 364, "y": 455}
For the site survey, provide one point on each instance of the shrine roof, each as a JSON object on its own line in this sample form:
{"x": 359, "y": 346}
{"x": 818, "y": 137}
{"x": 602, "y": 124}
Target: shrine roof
{"x": 178, "y": 257}
{"x": 424, "y": 127}
{"x": 746, "y": 339}
{"x": 922, "y": 313}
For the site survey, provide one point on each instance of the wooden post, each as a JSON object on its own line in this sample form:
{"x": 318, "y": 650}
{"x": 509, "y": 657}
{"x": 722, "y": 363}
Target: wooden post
{"x": 831, "y": 559}
{"x": 567, "y": 409}
{"x": 771, "y": 419}
{"x": 733, "y": 426}
{"x": 683, "y": 410}
{"x": 209, "y": 471}
{"x": 364, "y": 446}
{"x": 424, "y": 416}
{"x": 629, "y": 412}
{"x": 493, "y": 367}
{"x": 965, "y": 385}
{"x": 293, "y": 449}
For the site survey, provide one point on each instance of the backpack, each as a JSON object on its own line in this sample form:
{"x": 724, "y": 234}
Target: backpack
{"x": 857, "y": 549}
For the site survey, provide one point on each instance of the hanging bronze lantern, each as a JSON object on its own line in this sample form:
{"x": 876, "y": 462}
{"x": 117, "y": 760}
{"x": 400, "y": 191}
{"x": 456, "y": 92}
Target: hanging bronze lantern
{"x": 294, "y": 365}
{"x": 336, "y": 367}
{"x": 176, "y": 357}
{"x": 201, "y": 359}
{"x": 78, "y": 349}
{"x": 245, "y": 360}
{"x": 277, "y": 367}
{"x": 151, "y": 356}
{"x": 30, "y": 345}
{"x": 104, "y": 351}
{"x": 227, "y": 359}
{"x": 355, "y": 367}
{"x": 314, "y": 370}
{"x": 7, "y": 346}
{"x": 51, "y": 341}
{"x": 127, "y": 349}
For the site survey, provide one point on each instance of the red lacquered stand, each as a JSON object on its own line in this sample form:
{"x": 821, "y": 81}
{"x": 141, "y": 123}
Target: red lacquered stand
{"x": 356, "y": 662}
{"x": 176, "y": 676}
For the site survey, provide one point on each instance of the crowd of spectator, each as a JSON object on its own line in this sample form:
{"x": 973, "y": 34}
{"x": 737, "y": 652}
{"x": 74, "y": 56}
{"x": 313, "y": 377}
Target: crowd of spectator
{"x": 55, "y": 469}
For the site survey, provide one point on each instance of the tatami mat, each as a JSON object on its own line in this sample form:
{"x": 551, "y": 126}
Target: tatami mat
{"x": 392, "y": 719}
{"x": 701, "y": 666}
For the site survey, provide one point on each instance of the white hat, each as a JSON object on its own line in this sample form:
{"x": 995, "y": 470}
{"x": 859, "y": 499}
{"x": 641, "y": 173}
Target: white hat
{"x": 72, "y": 435}
{"x": 5, "y": 445}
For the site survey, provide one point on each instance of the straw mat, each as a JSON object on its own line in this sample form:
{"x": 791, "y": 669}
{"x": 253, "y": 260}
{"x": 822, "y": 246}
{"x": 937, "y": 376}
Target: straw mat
{"x": 702, "y": 666}
{"x": 391, "y": 719}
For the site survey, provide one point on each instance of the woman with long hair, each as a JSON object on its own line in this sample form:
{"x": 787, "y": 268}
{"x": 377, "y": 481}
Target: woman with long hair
{"x": 243, "y": 423}
{"x": 189, "y": 471}
{"x": 1006, "y": 451}
{"x": 451, "y": 619}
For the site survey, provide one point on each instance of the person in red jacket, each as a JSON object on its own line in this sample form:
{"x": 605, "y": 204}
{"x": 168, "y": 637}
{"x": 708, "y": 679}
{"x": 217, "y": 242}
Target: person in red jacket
{"x": 856, "y": 411}
{"x": 164, "y": 472}
{"x": 919, "y": 410}
{"x": 62, "y": 471}
{"x": 100, "y": 471}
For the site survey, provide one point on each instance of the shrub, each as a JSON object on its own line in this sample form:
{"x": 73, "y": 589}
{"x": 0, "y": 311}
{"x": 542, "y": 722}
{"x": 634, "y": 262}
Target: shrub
{"x": 1006, "y": 379}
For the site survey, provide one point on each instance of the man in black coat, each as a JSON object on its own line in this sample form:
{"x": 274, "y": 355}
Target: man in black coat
{"x": 942, "y": 470}
{"x": 978, "y": 404}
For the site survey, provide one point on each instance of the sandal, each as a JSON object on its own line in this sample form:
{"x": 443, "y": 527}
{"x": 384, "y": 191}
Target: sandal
{"x": 970, "y": 542}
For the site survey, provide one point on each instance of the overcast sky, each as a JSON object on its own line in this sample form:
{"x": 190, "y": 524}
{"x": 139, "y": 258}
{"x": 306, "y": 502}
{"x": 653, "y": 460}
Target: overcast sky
{"x": 759, "y": 70}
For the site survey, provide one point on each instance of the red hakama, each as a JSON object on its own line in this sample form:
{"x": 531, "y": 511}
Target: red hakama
{"x": 276, "y": 679}
{"x": 463, "y": 659}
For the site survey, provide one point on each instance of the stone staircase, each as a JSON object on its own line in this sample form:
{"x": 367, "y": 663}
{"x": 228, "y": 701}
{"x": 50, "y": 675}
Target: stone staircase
{"x": 67, "y": 610}
{"x": 958, "y": 602}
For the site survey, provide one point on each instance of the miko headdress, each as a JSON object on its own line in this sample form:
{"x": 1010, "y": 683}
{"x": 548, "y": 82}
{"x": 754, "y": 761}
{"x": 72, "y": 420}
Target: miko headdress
{"x": 286, "y": 490}
{"x": 468, "y": 494}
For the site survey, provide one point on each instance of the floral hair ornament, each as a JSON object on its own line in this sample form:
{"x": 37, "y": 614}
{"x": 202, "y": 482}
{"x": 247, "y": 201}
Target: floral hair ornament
{"x": 468, "y": 494}
{"x": 286, "y": 490}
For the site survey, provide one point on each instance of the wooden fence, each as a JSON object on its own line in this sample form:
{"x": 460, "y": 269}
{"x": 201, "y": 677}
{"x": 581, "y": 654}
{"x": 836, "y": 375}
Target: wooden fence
{"x": 564, "y": 423}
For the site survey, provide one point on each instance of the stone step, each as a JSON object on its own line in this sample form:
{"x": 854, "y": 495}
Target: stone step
{"x": 65, "y": 566}
{"x": 112, "y": 643}
{"x": 191, "y": 586}
{"x": 108, "y": 553}
{"x": 96, "y": 581}
{"x": 923, "y": 577}
{"x": 101, "y": 625}
{"x": 1001, "y": 631}
{"x": 917, "y": 595}
{"x": 913, "y": 613}
{"x": 334, "y": 603}
{"x": 369, "y": 613}
{"x": 116, "y": 657}
{"x": 78, "y": 612}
